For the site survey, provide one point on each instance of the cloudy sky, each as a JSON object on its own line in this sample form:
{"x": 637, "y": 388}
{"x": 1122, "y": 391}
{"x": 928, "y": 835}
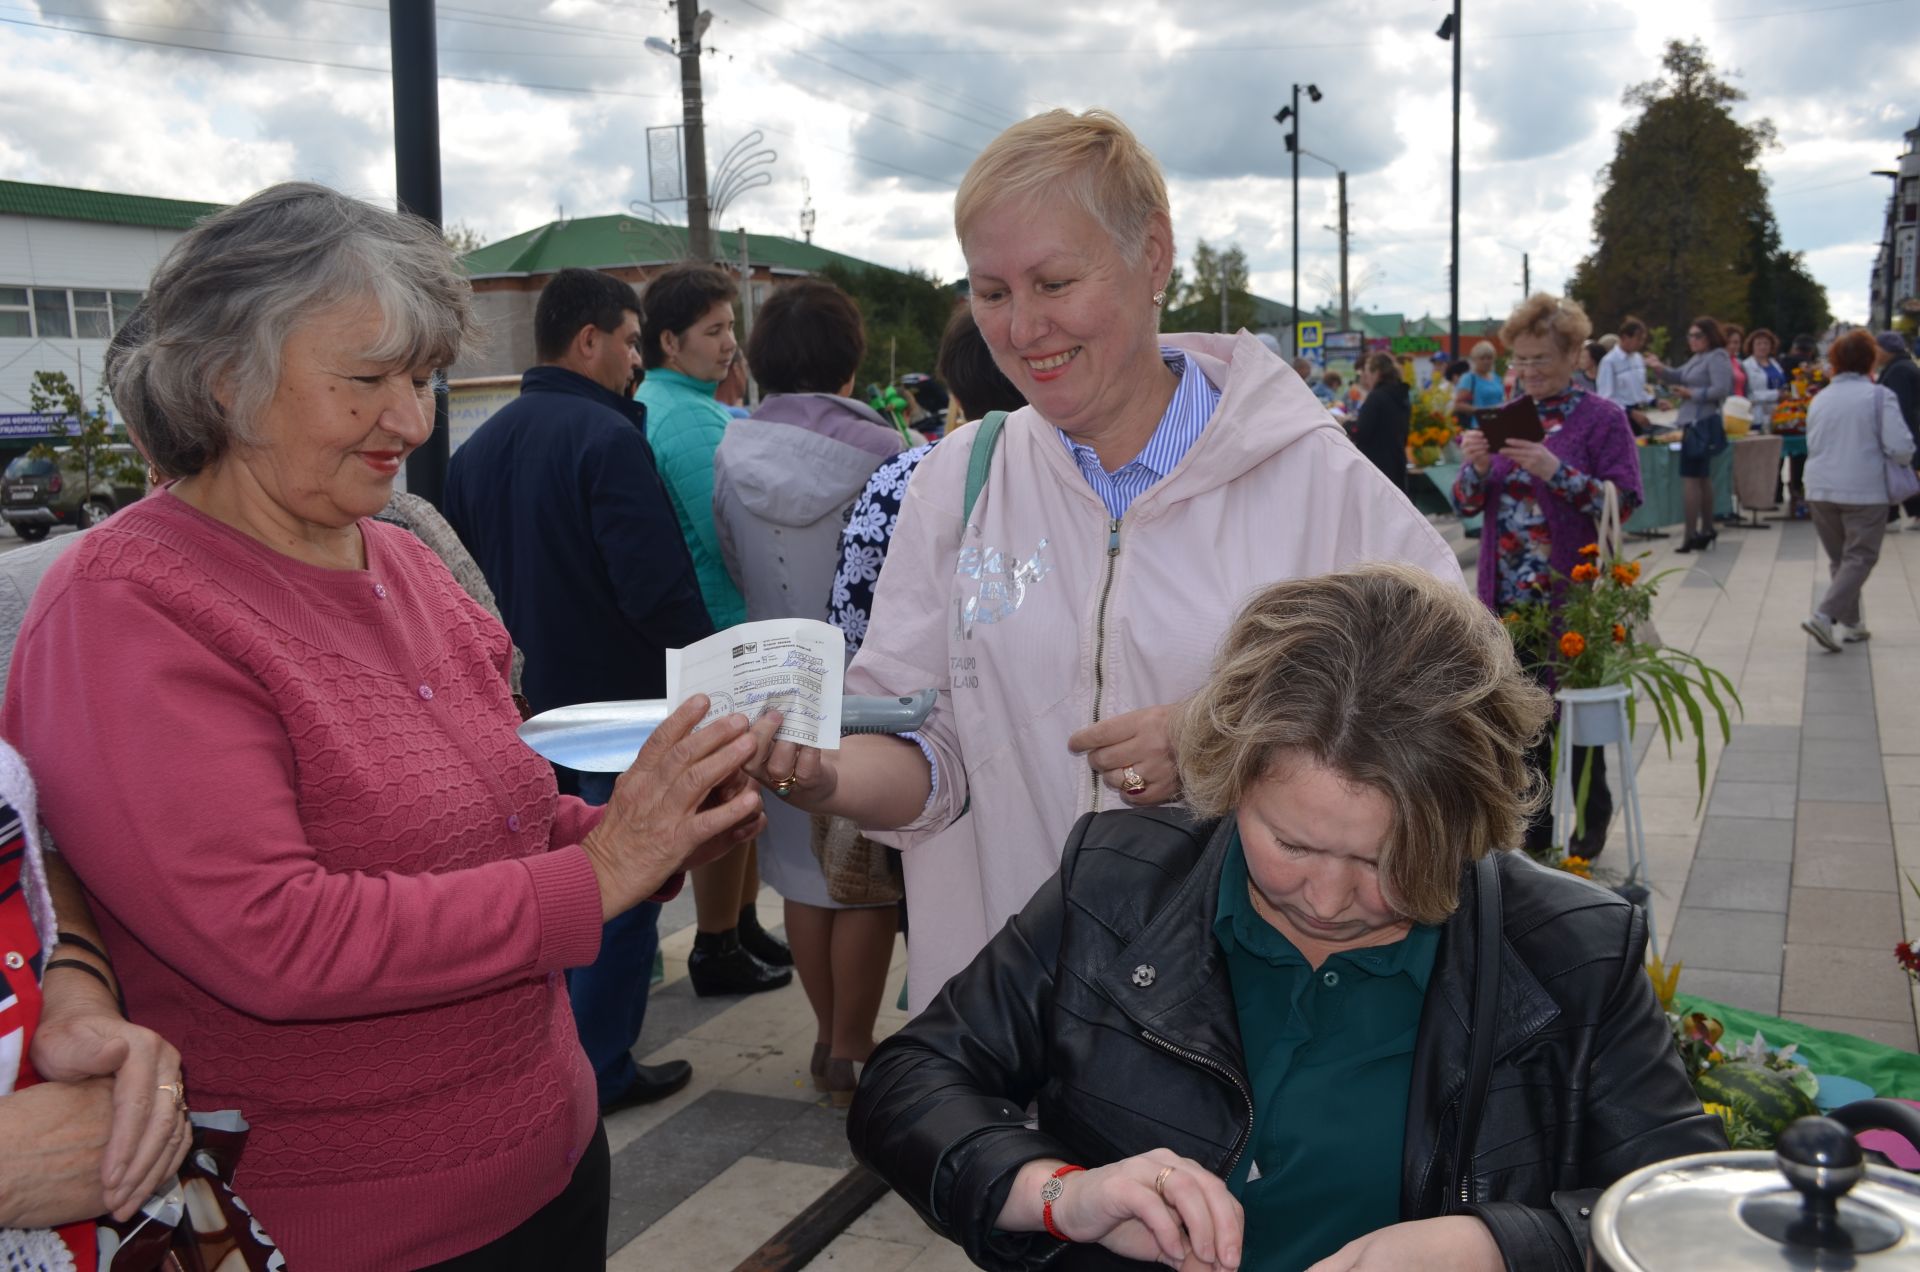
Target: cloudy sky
{"x": 544, "y": 106}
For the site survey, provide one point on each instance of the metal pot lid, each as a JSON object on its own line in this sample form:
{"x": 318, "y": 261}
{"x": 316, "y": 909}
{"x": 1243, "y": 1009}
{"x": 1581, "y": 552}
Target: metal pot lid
{"x": 1813, "y": 1206}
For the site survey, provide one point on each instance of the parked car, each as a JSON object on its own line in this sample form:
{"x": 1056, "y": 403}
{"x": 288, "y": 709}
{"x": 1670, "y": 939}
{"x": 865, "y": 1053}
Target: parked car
{"x": 38, "y": 494}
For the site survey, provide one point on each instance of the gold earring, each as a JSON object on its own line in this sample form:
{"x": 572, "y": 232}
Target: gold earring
{"x": 1160, "y": 298}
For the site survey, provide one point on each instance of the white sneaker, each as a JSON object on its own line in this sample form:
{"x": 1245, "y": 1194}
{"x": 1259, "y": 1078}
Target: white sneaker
{"x": 1820, "y": 627}
{"x": 1851, "y": 635}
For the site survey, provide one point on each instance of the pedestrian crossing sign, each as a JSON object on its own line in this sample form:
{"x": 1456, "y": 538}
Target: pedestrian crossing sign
{"x": 1310, "y": 335}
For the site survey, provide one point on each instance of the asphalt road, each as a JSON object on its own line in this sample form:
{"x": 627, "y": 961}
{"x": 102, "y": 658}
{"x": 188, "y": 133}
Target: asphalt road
{"x": 9, "y": 540}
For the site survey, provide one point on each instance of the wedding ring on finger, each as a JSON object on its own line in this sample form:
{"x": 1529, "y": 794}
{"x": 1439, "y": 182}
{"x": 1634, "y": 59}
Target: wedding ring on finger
{"x": 784, "y": 787}
{"x": 179, "y": 1094}
{"x": 1160, "y": 1182}
{"x": 1131, "y": 781}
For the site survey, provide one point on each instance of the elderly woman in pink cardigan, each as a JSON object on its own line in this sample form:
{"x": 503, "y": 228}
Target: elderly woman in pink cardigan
{"x": 1150, "y": 486}
{"x": 277, "y": 743}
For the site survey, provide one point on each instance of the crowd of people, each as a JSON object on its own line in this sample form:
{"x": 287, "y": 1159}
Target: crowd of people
{"x": 1217, "y": 794}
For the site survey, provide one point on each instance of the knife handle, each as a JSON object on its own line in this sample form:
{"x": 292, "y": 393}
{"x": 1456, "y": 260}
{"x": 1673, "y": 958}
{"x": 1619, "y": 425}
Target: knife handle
{"x": 902, "y": 714}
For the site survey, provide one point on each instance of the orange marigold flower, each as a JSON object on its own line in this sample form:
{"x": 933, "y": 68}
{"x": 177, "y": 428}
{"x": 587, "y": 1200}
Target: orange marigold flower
{"x": 1592, "y": 549}
{"x": 1573, "y": 644}
{"x": 1581, "y": 866}
{"x": 1626, "y": 573}
{"x": 1585, "y": 573}
{"x": 1619, "y": 634}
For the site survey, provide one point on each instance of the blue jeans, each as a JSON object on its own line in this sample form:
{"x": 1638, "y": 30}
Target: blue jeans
{"x": 610, "y": 995}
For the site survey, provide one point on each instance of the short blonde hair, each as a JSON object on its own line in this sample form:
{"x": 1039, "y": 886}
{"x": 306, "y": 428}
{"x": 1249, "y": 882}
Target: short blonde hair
{"x": 1555, "y": 317}
{"x": 1397, "y": 682}
{"x": 1091, "y": 158}
{"x": 1484, "y": 349}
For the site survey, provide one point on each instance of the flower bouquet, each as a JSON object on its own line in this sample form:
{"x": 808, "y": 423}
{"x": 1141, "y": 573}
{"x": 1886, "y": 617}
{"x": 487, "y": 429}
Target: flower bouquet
{"x": 1588, "y": 639}
{"x": 1790, "y": 412}
{"x": 1432, "y": 429}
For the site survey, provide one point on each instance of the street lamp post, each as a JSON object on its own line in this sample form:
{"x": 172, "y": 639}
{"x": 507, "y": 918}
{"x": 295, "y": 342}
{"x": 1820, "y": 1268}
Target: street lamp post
{"x": 1293, "y": 148}
{"x": 1450, "y": 30}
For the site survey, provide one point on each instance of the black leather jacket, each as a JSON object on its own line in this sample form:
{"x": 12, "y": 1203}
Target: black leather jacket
{"x": 1107, "y": 1002}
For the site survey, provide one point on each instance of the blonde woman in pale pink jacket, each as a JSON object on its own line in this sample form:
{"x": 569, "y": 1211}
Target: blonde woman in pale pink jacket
{"x": 1150, "y": 486}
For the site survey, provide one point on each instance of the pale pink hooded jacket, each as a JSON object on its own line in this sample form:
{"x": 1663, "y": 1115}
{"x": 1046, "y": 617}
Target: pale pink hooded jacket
{"x": 1050, "y": 618}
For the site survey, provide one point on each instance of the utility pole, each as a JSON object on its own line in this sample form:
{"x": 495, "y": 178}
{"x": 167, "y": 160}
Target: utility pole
{"x": 1526, "y": 277}
{"x": 1344, "y": 311}
{"x": 694, "y": 131}
{"x": 1223, "y": 305}
{"x": 416, "y": 163}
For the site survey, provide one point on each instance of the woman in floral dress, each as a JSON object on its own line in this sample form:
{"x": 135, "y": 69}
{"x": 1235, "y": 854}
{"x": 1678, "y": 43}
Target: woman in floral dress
{"x": 1543, "y": 501}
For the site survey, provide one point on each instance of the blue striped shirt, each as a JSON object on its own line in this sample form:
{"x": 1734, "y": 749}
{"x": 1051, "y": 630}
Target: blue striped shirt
{"x": 1193, "y": 402}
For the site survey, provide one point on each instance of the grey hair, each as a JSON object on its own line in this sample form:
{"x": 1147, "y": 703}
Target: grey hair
{"x": 236, "y": 286}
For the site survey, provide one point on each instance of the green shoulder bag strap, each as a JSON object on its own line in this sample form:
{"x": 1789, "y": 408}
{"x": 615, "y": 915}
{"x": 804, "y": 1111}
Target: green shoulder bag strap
{"x": 984, "y": 442}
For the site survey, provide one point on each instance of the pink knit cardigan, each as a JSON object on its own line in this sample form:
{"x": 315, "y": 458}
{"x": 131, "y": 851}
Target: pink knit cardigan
{"x": 327, "y": 870}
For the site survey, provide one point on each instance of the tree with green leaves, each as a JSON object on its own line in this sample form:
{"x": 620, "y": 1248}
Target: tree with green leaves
{"x": 1683, "y": 226}
{"x": 905, "y": 316}
{"x": 89, "y": 435}
{"x": 1193, "y": 303}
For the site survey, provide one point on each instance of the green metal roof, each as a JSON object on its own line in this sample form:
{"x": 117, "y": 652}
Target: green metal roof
{"x": 63, "y": 203}
{"x": 594, "y": 242}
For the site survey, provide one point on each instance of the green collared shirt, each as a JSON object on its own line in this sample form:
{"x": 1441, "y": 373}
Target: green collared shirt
{"x": 1329, "y": 1052}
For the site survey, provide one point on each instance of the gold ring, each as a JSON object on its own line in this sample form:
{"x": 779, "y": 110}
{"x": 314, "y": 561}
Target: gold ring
{"x": 784, "y": 787}
{"x": 1160, "y": 1181}
{"x": 1132, "y": 781}
{"x": 179, "y": 1093}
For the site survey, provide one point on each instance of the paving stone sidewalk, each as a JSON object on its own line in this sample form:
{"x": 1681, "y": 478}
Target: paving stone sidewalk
{"x": 1782, "y": 891}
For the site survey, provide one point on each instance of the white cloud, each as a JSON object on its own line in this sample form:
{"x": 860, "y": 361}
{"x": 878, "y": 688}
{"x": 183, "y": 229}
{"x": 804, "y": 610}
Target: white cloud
{"x": 879, "y": 132}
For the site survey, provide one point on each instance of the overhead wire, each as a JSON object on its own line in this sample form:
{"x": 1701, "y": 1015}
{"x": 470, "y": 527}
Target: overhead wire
{"x": 337, "y": 66}
{"x": 977, "y": 103}
{"x": 559, "y": 88}
{"x": 1719, "y": 20}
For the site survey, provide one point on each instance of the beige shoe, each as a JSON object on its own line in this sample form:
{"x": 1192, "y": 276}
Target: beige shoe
{"x": 1851, "y": 635}
{"x": 1820, "y": 627}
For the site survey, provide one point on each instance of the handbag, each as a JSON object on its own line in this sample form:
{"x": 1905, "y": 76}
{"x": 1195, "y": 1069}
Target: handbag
{"x": 858, "y": 870}
{"x": 1704, "y": 438}
{"x": 196, "y": 1224}
{"x": 1611, "y": 542}
{"x": 1902, "y": 482}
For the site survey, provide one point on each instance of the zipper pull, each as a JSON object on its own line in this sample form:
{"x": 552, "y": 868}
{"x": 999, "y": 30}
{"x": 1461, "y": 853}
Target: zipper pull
{"x": 1113, "y": 537}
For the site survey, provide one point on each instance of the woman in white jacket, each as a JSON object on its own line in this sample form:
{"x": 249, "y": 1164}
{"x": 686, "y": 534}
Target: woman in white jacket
{"x": 1765, "y": 376}
{"x": 1854, "y": 429}
{"x": 1150, "y": 486}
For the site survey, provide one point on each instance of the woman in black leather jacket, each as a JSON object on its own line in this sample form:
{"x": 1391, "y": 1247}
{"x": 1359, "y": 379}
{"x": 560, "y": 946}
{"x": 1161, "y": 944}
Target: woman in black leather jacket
{"x": 1383, "y": 1042}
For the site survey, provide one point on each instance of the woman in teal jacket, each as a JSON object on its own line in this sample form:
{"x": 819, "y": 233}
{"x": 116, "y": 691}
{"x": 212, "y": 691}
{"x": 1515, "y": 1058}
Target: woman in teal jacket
{"x": 687, "y": 344}
{"x": 686, "y": 341}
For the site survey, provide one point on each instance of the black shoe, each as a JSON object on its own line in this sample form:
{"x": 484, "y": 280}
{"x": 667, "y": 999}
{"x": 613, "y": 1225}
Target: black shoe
{"x": 1692, "y": 544}
{"x": 720, "y": 965}
{"x": 651, "y": 1082}
{"x": 762, "y": 944}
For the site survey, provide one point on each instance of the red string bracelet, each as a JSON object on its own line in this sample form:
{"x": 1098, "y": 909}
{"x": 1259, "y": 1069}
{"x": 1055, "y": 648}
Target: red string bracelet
{"x": 1050, "y": 1193}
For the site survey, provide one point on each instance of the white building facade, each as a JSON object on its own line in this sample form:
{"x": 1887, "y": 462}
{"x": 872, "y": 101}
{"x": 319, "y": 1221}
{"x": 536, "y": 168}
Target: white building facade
{"x": 73, "y": 264}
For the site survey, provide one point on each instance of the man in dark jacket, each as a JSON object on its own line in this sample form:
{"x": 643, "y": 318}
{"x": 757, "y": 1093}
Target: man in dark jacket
{"x": 557, "y": 498}
{"x": 1895, "y": 368}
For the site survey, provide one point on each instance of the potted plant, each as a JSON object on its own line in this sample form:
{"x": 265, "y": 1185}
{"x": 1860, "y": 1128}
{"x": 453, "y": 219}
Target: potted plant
{"x": 1593, "y": 643}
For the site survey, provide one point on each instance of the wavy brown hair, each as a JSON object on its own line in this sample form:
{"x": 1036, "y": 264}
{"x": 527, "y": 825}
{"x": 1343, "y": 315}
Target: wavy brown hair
{"x": 1396, "y": 681}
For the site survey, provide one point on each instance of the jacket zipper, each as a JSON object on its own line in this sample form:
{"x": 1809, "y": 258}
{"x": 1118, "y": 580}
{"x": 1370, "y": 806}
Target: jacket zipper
{"x": 1208, "y": 1062}
{"x": 1100, "y": 637}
